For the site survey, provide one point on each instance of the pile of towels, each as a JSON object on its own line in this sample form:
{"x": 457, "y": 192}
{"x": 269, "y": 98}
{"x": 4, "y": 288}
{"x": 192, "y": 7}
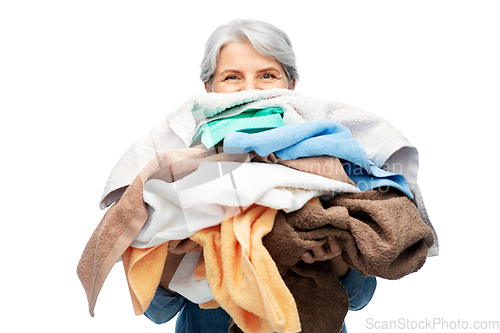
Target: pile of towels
{"x": 257, "y": 178}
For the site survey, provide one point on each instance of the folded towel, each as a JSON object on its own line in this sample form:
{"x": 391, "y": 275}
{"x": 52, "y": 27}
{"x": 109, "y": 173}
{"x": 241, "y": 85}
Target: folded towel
{"x": 242, "y": 275}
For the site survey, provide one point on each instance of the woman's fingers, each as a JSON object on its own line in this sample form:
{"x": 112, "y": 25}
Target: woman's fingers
{"x": 328, "y": 251}
{"x": 307, "y": 257}
{"x": 334, "y": 247}
{"x": 320, "y": 253}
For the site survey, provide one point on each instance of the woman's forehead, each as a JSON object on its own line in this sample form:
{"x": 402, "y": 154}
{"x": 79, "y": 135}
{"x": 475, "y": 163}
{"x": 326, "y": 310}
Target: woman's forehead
{"x": 242, "y": 55}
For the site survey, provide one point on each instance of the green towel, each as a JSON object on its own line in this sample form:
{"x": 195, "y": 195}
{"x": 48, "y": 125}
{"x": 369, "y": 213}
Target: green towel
{"x": 250, "y": 121}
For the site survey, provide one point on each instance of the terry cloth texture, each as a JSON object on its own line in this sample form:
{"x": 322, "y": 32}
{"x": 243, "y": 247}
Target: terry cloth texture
{"x": 321, "y": 299}
{"x": 380, "y": 232}
{"x": 242, "y": 275}
{"x": 316, "y": 138}
{"x": 312, "y": 285}
{"x": 250, "y": 121}
{"x": 143, "y": 269}
{"x": 384, "y": 145}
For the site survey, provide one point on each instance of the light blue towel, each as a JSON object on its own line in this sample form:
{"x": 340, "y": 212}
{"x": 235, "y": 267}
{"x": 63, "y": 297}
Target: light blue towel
{"x": 316, "y": 138}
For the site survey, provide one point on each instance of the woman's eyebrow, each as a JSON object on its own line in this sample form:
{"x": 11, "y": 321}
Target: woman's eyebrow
{"x": 267, "y": 69}
{"x": 229, "y": 70}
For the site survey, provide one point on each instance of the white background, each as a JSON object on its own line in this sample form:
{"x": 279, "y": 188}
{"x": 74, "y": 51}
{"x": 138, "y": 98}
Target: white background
{"x": 80, "y": 81}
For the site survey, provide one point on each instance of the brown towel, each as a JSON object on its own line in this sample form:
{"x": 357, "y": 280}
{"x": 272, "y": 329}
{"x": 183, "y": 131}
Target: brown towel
{"x": 387, "y": 236}
{"x": 380, "y": 232}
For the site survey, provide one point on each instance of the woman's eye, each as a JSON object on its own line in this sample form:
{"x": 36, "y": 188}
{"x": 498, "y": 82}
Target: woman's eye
{"x": 231, "y": 77}
{"x": 268, "y": 76}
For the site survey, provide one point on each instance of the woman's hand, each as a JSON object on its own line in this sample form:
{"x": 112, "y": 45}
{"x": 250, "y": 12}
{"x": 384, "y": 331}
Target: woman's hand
{"x": 329, "y": 252}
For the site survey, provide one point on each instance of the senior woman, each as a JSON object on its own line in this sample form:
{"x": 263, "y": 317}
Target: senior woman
{"x": 246, "y": 55}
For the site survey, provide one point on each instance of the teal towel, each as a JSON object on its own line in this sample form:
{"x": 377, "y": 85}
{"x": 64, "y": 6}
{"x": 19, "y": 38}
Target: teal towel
{"x": 250, "y": 121}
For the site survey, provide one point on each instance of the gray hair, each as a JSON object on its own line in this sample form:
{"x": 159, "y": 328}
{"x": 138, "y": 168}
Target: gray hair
{"x": 264, "y": 37}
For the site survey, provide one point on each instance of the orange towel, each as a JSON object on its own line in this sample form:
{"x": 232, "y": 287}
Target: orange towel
{"x": 143, "y": 268}
{"x": 242, "y": 275}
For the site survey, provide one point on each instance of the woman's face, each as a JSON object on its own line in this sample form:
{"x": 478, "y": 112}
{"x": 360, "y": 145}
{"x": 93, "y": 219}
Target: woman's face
{"x": 241, "y": 68}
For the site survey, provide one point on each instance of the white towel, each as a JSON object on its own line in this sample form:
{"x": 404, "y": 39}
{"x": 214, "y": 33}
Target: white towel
{"x": 178, "y": 210}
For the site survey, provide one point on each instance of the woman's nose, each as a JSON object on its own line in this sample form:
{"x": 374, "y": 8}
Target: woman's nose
{"x": 249, "y": 85}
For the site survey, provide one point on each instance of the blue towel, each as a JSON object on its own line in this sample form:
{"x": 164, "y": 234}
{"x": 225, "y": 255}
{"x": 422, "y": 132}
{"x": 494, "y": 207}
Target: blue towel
{"x": 316, "y": 138}
{"x": 376, "y": 177}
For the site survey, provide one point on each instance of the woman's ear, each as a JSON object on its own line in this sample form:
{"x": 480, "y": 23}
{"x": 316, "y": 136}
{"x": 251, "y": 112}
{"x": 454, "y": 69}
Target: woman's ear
{"x": 292, "y": 86}
{"x": 207, "y": 88}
